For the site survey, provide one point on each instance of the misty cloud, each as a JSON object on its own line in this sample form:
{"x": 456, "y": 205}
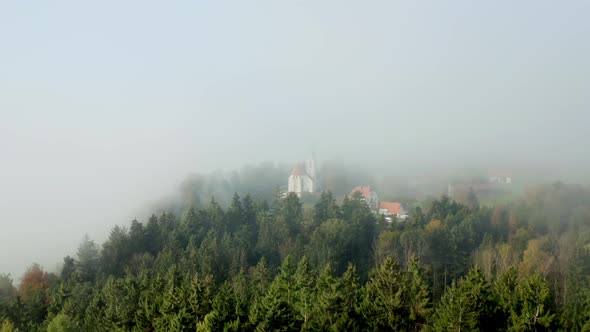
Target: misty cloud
{"x": 105, "y": 108}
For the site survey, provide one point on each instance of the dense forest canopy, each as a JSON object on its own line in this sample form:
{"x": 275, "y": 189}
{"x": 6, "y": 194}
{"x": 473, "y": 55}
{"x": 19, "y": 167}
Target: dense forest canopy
{"x": 257, "y": 264}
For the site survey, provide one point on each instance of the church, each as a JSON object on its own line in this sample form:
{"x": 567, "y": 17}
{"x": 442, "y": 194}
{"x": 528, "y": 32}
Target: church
{"x": 303, "y": 178}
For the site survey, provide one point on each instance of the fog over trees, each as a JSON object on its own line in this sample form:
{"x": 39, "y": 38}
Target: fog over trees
{"x": 145, "y": 151}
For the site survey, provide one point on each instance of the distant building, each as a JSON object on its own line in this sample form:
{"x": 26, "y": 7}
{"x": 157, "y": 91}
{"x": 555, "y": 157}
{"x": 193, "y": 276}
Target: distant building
{"x": 303, "y": 178}
{"x": 367, "y": 195}
{"x": 502, "y": 177}
{"x": 389, "y": 209}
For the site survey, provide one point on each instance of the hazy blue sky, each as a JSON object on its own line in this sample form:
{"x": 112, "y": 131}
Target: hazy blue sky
{"x": 107, "y": 105}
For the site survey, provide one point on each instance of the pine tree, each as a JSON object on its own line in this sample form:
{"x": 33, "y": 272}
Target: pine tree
{"x": 325, "y": 209}
{"x": 418, "y": 298}
{"x": 350, "y": 318}
{"x": 120, "y": 297}
{"x": 88, "y": 259}
{"x": 327, "y": 306}
{"x": 505, "y": 289}
{"x": 223, "y": 311}
{"x": 275, "y": 311}
{"x": 384, "y": 306}
{"x": 464, "y": 305}
{"x": 62, "y": 323}
{"x": 305, "y": 292}
{"x": 533, "y": 312}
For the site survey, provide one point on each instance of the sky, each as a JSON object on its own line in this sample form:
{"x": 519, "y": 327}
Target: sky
{"x": 106, "y": 106}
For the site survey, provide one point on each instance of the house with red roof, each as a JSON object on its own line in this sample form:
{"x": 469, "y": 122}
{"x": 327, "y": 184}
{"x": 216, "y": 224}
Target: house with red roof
{"x": 389, "y": 209}
{"x": 368, "y": 195}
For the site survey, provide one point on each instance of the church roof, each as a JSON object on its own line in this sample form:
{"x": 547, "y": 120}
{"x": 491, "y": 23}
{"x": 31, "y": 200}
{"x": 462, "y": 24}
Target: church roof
{"x": 298, "y": 170}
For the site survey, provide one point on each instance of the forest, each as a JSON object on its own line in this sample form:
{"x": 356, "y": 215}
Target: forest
{"x": 273, "y": 265}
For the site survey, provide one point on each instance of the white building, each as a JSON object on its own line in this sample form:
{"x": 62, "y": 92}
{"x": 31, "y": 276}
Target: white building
{"x": 502, "y": 177}
{"x": 303, "y": 178}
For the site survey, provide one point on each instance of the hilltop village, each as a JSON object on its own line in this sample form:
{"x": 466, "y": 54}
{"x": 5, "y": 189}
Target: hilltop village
{"x": 305, "y": 181}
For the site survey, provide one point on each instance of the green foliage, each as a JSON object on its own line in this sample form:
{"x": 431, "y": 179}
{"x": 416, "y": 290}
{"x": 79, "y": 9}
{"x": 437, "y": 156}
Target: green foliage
{"x": 395, "y": 299}
{"x": 384, "y": 303}
{"x": 276, "y": 311}
{"x": 62, "y": 323}
{"x": 255, "y": 266}
{"x": 325, "y": 209}
{"x": 532, "y": 312}
{"x": 506, "y": 294}
{"x": 88, "y": 259}
{"x": 7, "y": 290}
{"x": 464, "y": 306}
{"x": 304, "y": 292}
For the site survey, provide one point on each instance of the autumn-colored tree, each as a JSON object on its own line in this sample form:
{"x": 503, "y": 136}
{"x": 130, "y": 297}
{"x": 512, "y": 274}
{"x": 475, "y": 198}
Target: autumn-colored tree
{"x": 34, "y": 280}
{"x": 536, "y": 259}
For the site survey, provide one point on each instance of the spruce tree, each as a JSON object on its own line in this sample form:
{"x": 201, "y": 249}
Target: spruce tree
{"x": 304, "y": 292}
{"x": 275, "y": 311}
{"x": 418, "y": 297}
{"x": 533, "y": 312}
{"x": 384, "y": 306}
{"x": 464, "y": 305}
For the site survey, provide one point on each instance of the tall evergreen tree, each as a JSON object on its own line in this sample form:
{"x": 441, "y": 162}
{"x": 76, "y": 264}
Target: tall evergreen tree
{"x": 275, "y": 311}
{"x": 384, "y": 305}
{"x": 418, "y": 297}
{"x": 534, "y": 300}
{"x": 464, "y": 305}
{"x": 505, "y": 289}
{"x": 88, "y": 259}
{"x": 305, "y": 292}
{"x": 325, "y": 208}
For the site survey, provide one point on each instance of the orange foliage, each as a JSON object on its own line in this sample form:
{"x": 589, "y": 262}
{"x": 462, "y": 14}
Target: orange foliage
{"x": 33, "y": 280}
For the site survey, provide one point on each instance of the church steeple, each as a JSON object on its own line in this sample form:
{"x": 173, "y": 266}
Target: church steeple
{"x": 310, "y": 168}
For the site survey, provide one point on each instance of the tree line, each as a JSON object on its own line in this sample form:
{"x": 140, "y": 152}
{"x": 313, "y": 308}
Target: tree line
{"x": 275, "y": 266}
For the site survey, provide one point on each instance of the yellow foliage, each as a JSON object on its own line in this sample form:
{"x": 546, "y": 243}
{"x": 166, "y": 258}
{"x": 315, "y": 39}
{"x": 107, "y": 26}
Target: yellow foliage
{"x": 7, "y": 326}
{"x": 535, "y": 259}
{"x": 433, "y": 225}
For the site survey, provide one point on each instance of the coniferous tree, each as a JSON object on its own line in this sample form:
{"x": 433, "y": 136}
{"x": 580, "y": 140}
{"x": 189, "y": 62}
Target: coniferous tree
{"x": 68, "y": 268}
{"x": 350, "y": 318}
{"x": 505, "y": 289}
{"x": 275, "y": 311}
{"x": 463, "y": 306}
{"x": 384, "y": 306}
{"x": 418, "y": 298}
{"x": 88, "y": 259}
{"x": 533, "y": 311}
{"x": 327, "y": 306}
{"x": 325, "y": 208}
{"x": 62, "y": 323}
{"x": 305, "y": 292}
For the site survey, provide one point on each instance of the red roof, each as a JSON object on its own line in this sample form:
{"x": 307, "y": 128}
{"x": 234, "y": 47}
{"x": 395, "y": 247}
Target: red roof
{"x": 364, "y": 190}
{"x": 391, "y": 207}
{"x": 297, "y": 170}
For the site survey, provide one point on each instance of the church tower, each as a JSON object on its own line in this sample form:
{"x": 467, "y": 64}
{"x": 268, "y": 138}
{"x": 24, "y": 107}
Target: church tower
{"x": 310, "y": 168}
